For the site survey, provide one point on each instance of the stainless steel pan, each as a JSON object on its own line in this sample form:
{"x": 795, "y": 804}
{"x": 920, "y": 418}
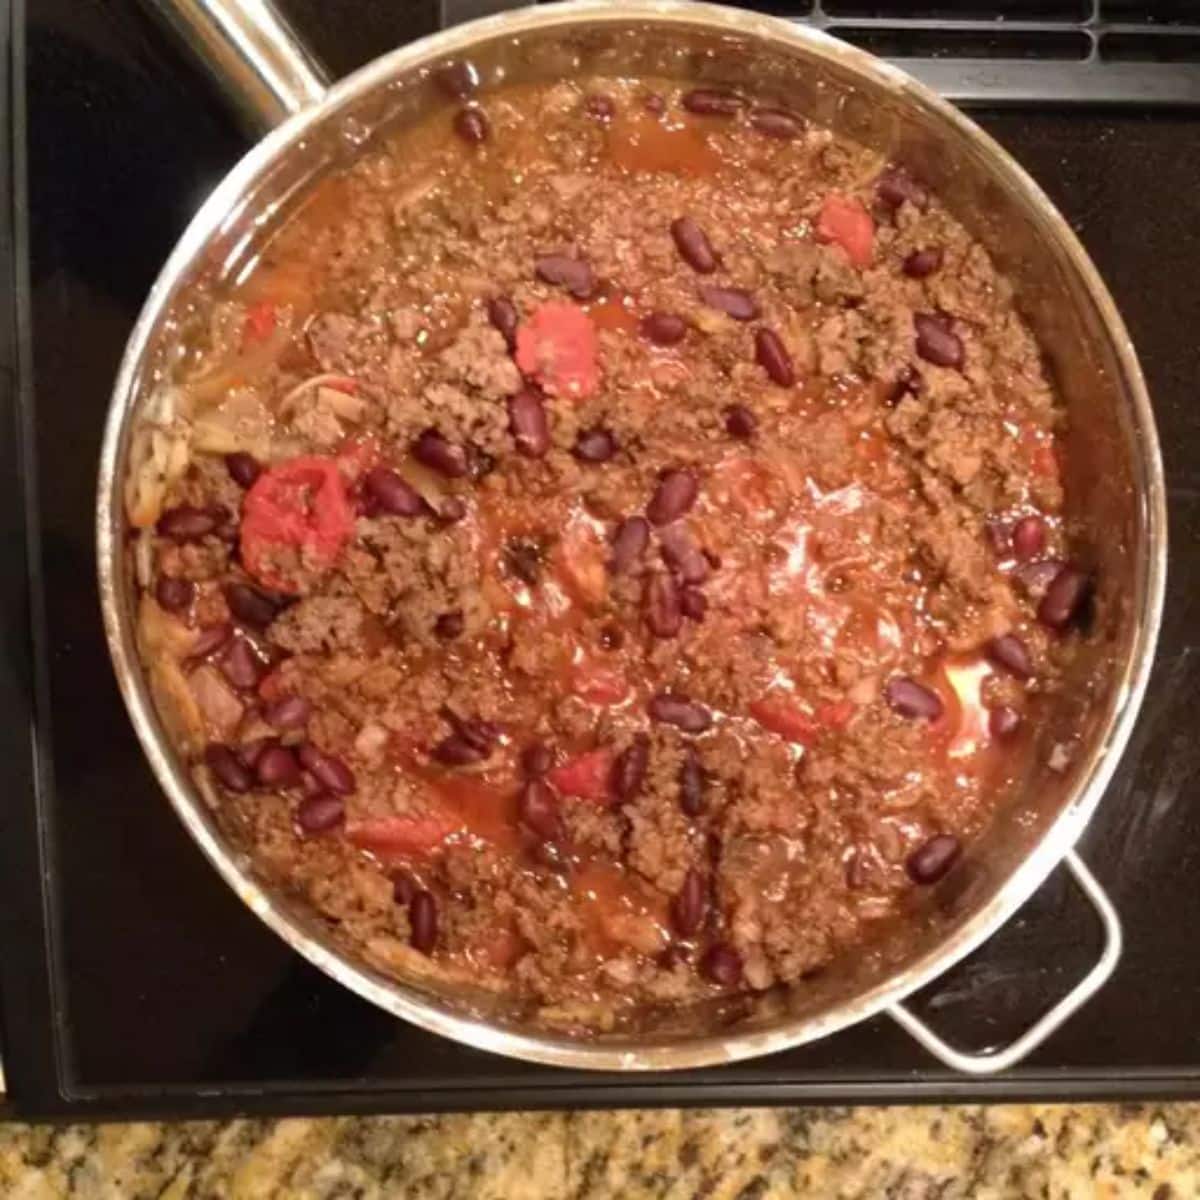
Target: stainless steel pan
{"x": 1116, "y": 499}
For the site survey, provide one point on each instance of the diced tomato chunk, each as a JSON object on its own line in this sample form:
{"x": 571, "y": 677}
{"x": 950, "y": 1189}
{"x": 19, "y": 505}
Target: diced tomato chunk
{"x": 300, "y": 505}
{"x": 259, "y": 323}
{"x": 502, "y": 948}
{"x": 598, "y": 684}
{"x": 835, "y": 715}
{"x": 845, "y": 220}
{"x": 557, "y": 346}
{"x": 585, "y": 775}
{"x": 393, "y": 837}
{"x": 785, "y": 718}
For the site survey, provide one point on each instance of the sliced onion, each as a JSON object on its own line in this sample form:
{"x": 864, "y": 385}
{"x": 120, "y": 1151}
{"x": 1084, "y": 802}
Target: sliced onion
{"x": 371, "y": 739}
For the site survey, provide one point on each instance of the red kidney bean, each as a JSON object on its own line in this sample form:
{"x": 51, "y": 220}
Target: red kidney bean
{"x": 471, "y": 125}
{"x": 664, "y": 616}
{"x": 174, "y": 595}
{"x": 1003, "y": 722}
{"x": 895, "y": 185}
{"x": 922, "y": 263}
{"x": 682, "y": 555}
{"x": 365, "y": 505}
{"x": 999, "y": 535}
{"x": 320, "y": 813}
{"x": 187, "y": 523}
{"x": 654, "y": 103}
{"x": 250, "y": 605}
{"x": 536, "y": 759}
{"x": 629, "y": 544}
{"x": 722, "y": 964}
{"x": 771, "y": 354}
{"x": 288, "y": 712}
{"x": 912, "y": 699}
{"x": 228, "y": 768}
{"x": 740, "y": 422}
{"x": 664, "y": 328}
{"x": 228, "y": 529}
{"x": 404, "y": 888}
{"x": 457, "y": 79}
{"x": 777, "y": 123}
{"x": 693, "y": 245}
{"x": 423, "y": 922}
{"x": 600, "y": 107}
{"x": 1036, "y": 577}
{"x": 502, "y": 313}
{"x": 326, "y": 769}
{"x": 629, "y": 768}
{"x": 691, "y": 784}
{"x": 693, "y": 603}
{"x": 480, "y": 464}
{"x": 480, "y": 734}
{"x": 440, "y": 455}
{"x": 452, "y": 509}
{"x": 690, "y": 906}
{"x": 241, "y": 666}
{"x": 250, "y": 752}
{"x": 908, "y": 381}
{"x": 1064, "y": 597}
{"x": 713, "y": 102}
{"x": 676, "y": 493}
{"x": 611, "y": 637}
{"x": 936, "y": 342}
{"x": 672, "y": 709}
{"x": 575, "y": 274}
{"x": 393, "y": 494}
{"x": 243, "y": 468}
{"x": 595, "y": 445}
{"x": 456, "y": 751}
{"x": 932, "y": 859}
{"x": 277, "y": 768}
{"x": 1009, "y": 652}
{"x": 449, "y": 625}
{"x": 675, "y": 955}
{"x": 1028, "y": 538}
{"x": 211, "y": 640}
{"x": 524, "y": 560}
{"x": 733, "y": 302}
{"x": 528, "y": 423}
{"x": 537, "y": 809}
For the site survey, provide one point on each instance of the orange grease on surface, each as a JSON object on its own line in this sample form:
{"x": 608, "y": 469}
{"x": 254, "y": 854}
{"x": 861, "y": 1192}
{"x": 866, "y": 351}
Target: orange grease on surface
{"x": 618, "y": 912}
{"x": 485, "y": 808}
{"x": 615, "y": 313}
{"x": 642, "y": 142}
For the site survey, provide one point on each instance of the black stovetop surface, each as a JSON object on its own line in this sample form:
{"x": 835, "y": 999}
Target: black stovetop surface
{"x": 133, "y": 981}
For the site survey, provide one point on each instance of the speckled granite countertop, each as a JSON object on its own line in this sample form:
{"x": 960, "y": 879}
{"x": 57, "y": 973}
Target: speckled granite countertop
{"x": 1061, "y": 1152}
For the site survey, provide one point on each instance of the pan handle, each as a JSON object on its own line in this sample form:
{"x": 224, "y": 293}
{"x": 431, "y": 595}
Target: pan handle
{"x": 1000, "y": 1060}
{"x": 259, "y": 61}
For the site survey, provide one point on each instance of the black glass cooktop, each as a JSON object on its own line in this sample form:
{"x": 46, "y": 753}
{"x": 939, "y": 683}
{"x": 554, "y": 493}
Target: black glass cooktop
{"x": 132, "y": 981}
